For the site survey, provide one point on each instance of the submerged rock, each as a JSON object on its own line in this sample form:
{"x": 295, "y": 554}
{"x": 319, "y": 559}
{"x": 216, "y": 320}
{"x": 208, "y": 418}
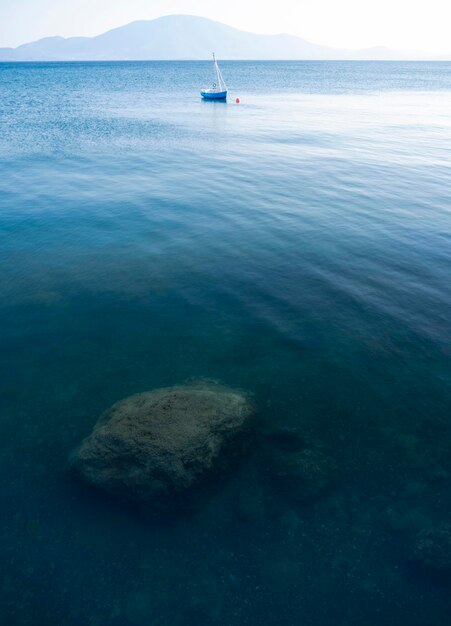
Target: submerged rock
{"x": 297, "y": 468}
{"x": 156, "y": 447}
{"x": 304, "y": 475}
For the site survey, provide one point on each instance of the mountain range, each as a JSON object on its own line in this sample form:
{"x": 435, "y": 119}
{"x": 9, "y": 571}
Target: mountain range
{"x": 185, "y": 37}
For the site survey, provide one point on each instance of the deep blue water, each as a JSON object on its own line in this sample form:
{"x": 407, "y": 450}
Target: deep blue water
{"x": 297, "y": 245}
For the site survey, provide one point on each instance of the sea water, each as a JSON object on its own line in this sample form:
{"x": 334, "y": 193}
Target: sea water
{"x": 296, "y": 245}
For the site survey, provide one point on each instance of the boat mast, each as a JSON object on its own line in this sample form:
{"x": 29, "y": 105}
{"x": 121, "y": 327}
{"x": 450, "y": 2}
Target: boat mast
{"x": 221, "y": 84}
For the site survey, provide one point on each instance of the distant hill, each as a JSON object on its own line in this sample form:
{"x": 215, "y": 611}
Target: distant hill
{"x": 180, "y": 37}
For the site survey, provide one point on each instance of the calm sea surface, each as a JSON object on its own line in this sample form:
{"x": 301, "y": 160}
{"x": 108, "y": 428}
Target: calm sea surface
{"x": 298, "y": 246}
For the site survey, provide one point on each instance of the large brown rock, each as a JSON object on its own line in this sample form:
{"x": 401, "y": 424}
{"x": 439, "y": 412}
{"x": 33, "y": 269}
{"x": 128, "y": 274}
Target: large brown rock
{"x": 156, "y": 447}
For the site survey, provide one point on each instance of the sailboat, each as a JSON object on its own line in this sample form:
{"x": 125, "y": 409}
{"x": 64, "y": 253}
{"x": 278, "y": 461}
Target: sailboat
{"x": 219, "y": 89}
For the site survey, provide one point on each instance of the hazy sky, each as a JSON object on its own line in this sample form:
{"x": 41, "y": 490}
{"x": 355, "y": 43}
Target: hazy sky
{"x": 403, "y": 24}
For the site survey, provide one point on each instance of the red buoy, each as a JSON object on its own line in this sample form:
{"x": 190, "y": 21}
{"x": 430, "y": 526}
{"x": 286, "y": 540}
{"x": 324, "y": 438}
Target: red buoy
{"x": 237, "y": 100}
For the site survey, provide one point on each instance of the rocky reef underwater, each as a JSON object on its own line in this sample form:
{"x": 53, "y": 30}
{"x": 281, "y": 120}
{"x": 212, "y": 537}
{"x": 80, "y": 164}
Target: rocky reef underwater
{"x": 205, "y": 504}
{"x": 167, "y": 451}
{"x": 160, "y": 449}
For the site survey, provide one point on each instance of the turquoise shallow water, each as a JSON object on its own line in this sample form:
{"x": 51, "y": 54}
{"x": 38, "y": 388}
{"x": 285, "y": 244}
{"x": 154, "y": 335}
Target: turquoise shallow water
{"x": 296, "y": 245}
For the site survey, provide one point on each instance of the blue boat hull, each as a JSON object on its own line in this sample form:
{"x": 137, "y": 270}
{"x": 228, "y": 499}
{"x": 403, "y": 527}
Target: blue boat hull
{"x": 215, "y": 95}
